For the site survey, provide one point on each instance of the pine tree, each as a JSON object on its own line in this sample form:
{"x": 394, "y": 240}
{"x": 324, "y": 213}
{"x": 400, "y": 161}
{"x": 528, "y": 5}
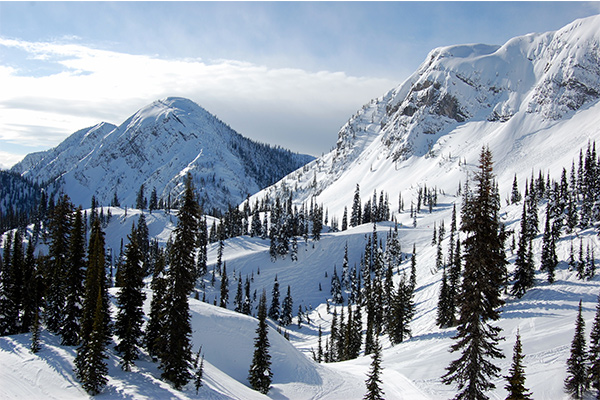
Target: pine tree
{"x": 484, "y": 271}
{"x": 128, "y": 325}
{"x": 403, "y": 310}
{"x": 445, "y": 316}
{"x": 59, "y": 230}
{"x": 275, "y": 309}
{"x": 260, "y": 375}
{"x": 515, "y": 196}
{"x": 336, "y": 288}
{"x": 91, "y": 369}
{"x": 576, "y": 383}
{"x": 373, "y": 382}
{"x": 516, "y": 378}
{"x": 287, "y": 308}
{"x": 199, "y": 374}
{"x": 224, "y": 287}
{"x": 355, "y": 215}
{"x": 238, "y": 301}
{"x": 594, "y": 353}
{"x": 74, "y": 283}
{"x": 176, "y": 355}
{"x": 154, "y": 336}
{"x": 549, "y": 259}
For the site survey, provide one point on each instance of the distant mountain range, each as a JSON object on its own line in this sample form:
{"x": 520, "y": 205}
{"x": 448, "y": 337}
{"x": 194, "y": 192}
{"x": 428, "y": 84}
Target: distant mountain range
{"x": 156, "y": 147}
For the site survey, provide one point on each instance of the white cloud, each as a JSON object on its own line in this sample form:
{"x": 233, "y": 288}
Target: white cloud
{"x": 270, "y": 105}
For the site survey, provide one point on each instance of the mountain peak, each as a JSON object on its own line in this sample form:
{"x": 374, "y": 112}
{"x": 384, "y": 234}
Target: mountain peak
{"x": 156, "y": 147}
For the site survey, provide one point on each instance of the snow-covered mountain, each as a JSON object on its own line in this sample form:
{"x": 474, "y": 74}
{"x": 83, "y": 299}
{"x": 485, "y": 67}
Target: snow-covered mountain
{"x": 533, "y": 100}
{"x": 156, "y": 147}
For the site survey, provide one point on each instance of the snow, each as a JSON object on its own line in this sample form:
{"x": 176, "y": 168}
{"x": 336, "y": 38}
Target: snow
{"x": 533, "y": 131}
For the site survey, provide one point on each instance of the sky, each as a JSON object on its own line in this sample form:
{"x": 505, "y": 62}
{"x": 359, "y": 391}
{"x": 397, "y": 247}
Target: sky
{"x": 284, "y": 73}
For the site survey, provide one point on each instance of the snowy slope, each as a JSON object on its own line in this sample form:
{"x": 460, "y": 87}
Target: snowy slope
{"x": 156, "y": 147}
{"x": 534, "y": 101}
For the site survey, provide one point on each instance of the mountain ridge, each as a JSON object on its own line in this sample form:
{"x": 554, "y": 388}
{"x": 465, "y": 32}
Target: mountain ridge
{"x": 461, "y": 98}
{"x": 156, "y": 147}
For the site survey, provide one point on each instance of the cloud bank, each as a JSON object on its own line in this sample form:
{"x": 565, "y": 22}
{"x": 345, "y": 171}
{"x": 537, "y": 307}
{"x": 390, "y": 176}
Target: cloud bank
{"x": 57, "y": 88}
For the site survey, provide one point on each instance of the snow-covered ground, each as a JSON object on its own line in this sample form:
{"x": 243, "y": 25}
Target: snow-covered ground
{"x": 545, "y": 317}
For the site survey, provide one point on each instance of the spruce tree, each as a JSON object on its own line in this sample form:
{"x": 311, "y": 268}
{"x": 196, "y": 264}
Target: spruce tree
{"x": 445, "y": 315}
{"x": 91, "y": 369}
{"x": 128, "y": 325}
{"x": 516, "y": 378}
{"x": 373, "y": 382}
{"x": 403, "y": 310}
{"x": 355, "y": 215}
{"x": 224, "y": 287}
{"x": 336, "y": 288}
{"x": 59, "y": 231}
{"x": 71, "y": 327}
{"x": 549, "y": 259}
{"x": 260, "y": 375}
{"x": 576, "y": 382}
{"x": 154, "y": 336}
{"x": 484, "y": 271}
{"x": 594, "y": 353}
{"x": 176, "y": 355}
{"x": 275, "y": 309}
{"x": 287, "y": 308}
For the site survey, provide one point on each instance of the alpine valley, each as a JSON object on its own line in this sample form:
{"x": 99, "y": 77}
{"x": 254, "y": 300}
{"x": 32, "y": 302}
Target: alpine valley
{"x": 405, "y": 161}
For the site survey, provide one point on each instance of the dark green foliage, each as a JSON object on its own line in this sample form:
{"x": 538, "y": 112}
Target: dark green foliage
{"x": 576, "y": 382}
{"x": 260, "y": 375}
{"x": 524, "y": 267}
{"x": 154, "y": 337}
{"x": 484, "y": 271}
{"x": 516, "y": 378}
{"x": 176, "y": 353}
{"x": 59, "y": 231}
{"x": 403, "y": 310}
{"x": 549, "y": 258}
{"x": 445, "y": 315}
{"x": 336, "y": 288}
{"x": 373, "y": 382}
{"x": 594, "y": 353}
{"x": 74, "y": 283}
{"x": 90, "y": 366}
{"x": 128, "y": 325}
{"x": 287, "y": 308}
{"x": 224, "y": 287}
{"x": 275, "y": 309}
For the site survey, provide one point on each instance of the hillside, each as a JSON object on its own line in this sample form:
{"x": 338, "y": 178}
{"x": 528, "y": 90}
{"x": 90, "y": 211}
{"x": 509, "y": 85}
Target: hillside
{"x": 533, "y": 101}
{"x": 156, "y": 147}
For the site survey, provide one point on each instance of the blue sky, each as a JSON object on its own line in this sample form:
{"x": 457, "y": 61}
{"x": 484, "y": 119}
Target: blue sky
{"x": 287, "y": 73}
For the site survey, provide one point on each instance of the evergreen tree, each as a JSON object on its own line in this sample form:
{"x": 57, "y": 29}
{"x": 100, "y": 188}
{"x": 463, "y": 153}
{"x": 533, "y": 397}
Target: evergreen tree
{"x": 576, "y": 383}
{"x": 336, "y": 288}
{"x": 198, "y": 375}
{"x": 515, "y": 195}
{"x": 516, "y": 378}
{"x": 373, "y": 382}
{"x": 275, "y": 309}
{"x": 247, "y": 306}
{"x": 59, "y": 231}
{"x": 91, "y": 369}
{"x": 176, "y": 355}
{"x": 224, "y": 287}
{"x": 403, "y": 310}
{"x": 594, "y": 353}
{"x": 154, "y": 337}
{"x": 287, "y": 308}
{"x": 484, "y": 271}
{"x": 260, "y": 375}
{"x": 238, "y": 301}
{"x": 74, "y": 283}
{"x": 445, "y": 315}
{"x": 549, "y": 258}
{"x": 355, "y": 215}
{"x": 128, "y": 325}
